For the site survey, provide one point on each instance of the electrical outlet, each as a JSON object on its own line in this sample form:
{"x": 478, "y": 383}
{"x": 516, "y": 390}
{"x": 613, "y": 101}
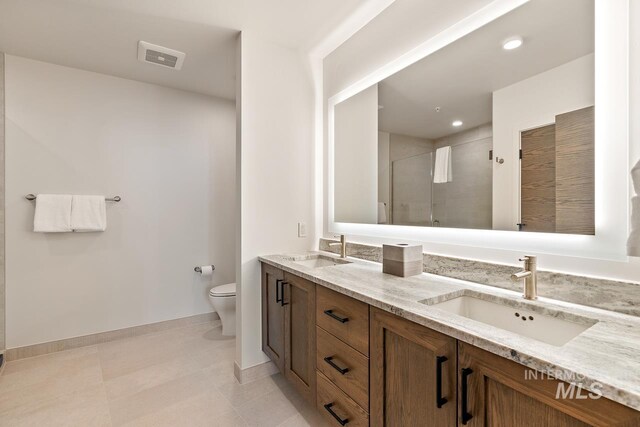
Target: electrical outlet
{"x": 302, "y": 229}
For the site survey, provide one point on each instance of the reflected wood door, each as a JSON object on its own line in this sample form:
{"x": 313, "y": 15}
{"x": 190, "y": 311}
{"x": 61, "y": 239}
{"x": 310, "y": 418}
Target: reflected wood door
{"x": 404, "y": 373}
{"x": 503, "y": 393}
{"x": 300, "y": 335}
{"x": 273, "y": 315}
{"x": 538, "y": 179}
{"x": 575, "y": 170}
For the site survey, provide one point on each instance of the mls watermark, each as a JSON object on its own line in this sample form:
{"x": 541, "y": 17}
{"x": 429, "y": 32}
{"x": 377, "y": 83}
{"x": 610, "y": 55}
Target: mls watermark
{"x": 571, "y": 389}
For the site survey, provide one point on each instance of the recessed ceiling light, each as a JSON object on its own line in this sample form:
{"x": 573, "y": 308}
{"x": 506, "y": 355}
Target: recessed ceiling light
{"x": 457, "y": 123}
{"x": 512, "y": 43}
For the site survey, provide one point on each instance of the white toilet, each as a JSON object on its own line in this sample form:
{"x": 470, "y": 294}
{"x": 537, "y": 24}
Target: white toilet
{"x": 223, "y": 299}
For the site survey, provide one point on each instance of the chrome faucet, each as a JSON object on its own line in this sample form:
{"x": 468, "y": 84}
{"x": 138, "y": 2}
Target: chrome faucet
{"x": 343, "y": 245}
{"x": 529, "y": 274}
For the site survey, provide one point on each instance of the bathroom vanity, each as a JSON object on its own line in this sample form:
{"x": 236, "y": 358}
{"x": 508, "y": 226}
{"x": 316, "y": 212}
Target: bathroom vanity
{"x": 368, "y": 348}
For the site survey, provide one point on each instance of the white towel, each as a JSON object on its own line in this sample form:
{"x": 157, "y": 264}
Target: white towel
{"x": 53, "y": 213}
{"x": 88, "y": 213}
{"x": 442, "y": 171}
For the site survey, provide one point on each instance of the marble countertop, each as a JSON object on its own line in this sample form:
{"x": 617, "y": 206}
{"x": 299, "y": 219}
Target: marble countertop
{"x": 604, "y": 358}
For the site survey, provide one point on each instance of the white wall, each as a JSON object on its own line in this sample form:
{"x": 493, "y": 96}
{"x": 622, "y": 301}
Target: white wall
{"x": 525, "y": 105}
{"x": 635, "y": 80}
{"x": 276, "y": 169}
{"x": 356, "y": 158}
{"x": 168, "y": 153}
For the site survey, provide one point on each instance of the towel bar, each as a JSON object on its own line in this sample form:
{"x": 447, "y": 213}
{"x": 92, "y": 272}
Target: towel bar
{"x": 108, "y": 199}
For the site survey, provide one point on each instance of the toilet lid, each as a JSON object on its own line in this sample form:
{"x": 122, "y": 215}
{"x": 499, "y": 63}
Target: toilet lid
{"x": 223, "y": 290}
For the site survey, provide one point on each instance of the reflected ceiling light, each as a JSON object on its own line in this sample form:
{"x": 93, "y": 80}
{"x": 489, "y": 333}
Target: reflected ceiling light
{"x": 457, "y": 123}
{"x": 512, "y": 43}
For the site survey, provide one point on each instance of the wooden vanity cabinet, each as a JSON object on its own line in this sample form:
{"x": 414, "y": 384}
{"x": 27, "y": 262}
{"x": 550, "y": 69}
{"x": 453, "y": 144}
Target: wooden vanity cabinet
{"x": 300, "y": 335}
{"x": 273, "y": 315}
{"x": 413, "y": 373}
{"x": 288, "y": 327}
{"x": 364, "y": 366}
{"x": 497, "y": 392}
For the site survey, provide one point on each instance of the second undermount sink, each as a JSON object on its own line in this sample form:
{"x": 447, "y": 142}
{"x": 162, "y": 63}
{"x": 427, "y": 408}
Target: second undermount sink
{"x": 317, "y": 261}
{"x": 554, "y": 327}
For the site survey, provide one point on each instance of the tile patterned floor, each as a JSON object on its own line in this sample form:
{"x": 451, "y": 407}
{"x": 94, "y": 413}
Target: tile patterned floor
{"x": 179, "y": 377}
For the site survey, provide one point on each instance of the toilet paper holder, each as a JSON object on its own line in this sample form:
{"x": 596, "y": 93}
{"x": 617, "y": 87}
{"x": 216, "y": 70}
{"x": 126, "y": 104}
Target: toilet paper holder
{"x": 199, "y": 270}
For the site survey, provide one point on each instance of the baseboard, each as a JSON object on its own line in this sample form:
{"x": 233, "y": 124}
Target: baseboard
{"x": 102, "y": 337}
{"x": 255, "y": 372}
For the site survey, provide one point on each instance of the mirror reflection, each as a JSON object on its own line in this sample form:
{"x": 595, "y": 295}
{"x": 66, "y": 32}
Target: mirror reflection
{"x": 494, "y": 131}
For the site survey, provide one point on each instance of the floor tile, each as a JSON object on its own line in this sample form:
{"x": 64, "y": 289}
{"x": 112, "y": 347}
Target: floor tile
{"x": 178, "y": 377}
{"x": 86, "y": 408}
{"x": 30, "y": 386}
{"x": 208, "y": 409}
{"x": 240, "y": 394}
{"x": 154, "y": 399}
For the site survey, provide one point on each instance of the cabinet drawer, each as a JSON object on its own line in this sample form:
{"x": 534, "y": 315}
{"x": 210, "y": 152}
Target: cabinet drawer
{"x": 343, "y": 317}
{"x": 334, "y": 405}
{"x": 344, "y": 366}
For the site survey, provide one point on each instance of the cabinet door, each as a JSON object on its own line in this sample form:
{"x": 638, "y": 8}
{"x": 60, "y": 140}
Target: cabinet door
{"x": 413, "y": 372}
{"x": 300, "y": 335}
{"x": 273, "y": 315}
{"x": 500, "y": 392}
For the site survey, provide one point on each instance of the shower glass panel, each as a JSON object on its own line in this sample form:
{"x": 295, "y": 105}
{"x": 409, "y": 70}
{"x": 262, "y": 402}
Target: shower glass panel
{"x": 411, "y": 189}
{"x": 466, "y": 201}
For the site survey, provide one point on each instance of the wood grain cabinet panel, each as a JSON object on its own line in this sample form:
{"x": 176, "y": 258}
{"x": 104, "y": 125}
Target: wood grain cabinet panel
{"x": 343, "y": 317}
{"x": 413, "y": 371}
{"x": 538, "y": 179}
{"x": 344, "y": 366}
{"x": 338, "y": 408}
{"x": 503, "y": 393}
{"x": 300, "y": 335}
{"x": 575, "y": 172}
{"x": 272, "y": 315}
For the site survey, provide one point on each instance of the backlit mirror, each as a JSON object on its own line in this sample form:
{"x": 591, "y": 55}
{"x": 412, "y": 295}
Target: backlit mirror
{"x": 493, "y": 131}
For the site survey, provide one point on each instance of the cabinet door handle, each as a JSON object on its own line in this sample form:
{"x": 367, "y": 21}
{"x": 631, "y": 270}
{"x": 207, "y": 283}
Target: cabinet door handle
{"x": 439, "y": 399}
{"x": 335, "y": 316}
{"x": 278, "y": 297}
{"x": 336, "y": 416}
{"x": 282, "y": 283}
{"x": 466, "y": 416}
{"x": 329, "y": 360}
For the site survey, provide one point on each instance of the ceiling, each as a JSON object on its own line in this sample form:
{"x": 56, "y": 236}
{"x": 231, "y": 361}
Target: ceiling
{"x": 102, "y": 35}
{"x": 293, "y": 23}
{"x": 461, "y": 77}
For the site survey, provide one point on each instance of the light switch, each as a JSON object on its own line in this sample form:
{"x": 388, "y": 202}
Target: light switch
{"x": 302, "y": 229}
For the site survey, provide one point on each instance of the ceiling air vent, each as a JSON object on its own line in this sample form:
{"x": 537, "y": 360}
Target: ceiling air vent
{"x": 160, "y": 55}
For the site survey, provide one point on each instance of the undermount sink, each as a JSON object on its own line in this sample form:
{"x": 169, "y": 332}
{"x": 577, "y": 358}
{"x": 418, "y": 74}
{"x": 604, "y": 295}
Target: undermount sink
{"x": 554, "y": 327}
{"x": 318, "y": 261}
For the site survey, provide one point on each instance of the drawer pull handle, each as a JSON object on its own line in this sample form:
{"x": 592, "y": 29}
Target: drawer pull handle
{"x": 466, "y": 415}
{"x": 329, "y": 360}
{"x": 335, "y": 316}
{"x": 439, "y": 399}
{"x": 282, "y": 283}
{"x": 278, "y": 297}
{"x": 336, "y": 416}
